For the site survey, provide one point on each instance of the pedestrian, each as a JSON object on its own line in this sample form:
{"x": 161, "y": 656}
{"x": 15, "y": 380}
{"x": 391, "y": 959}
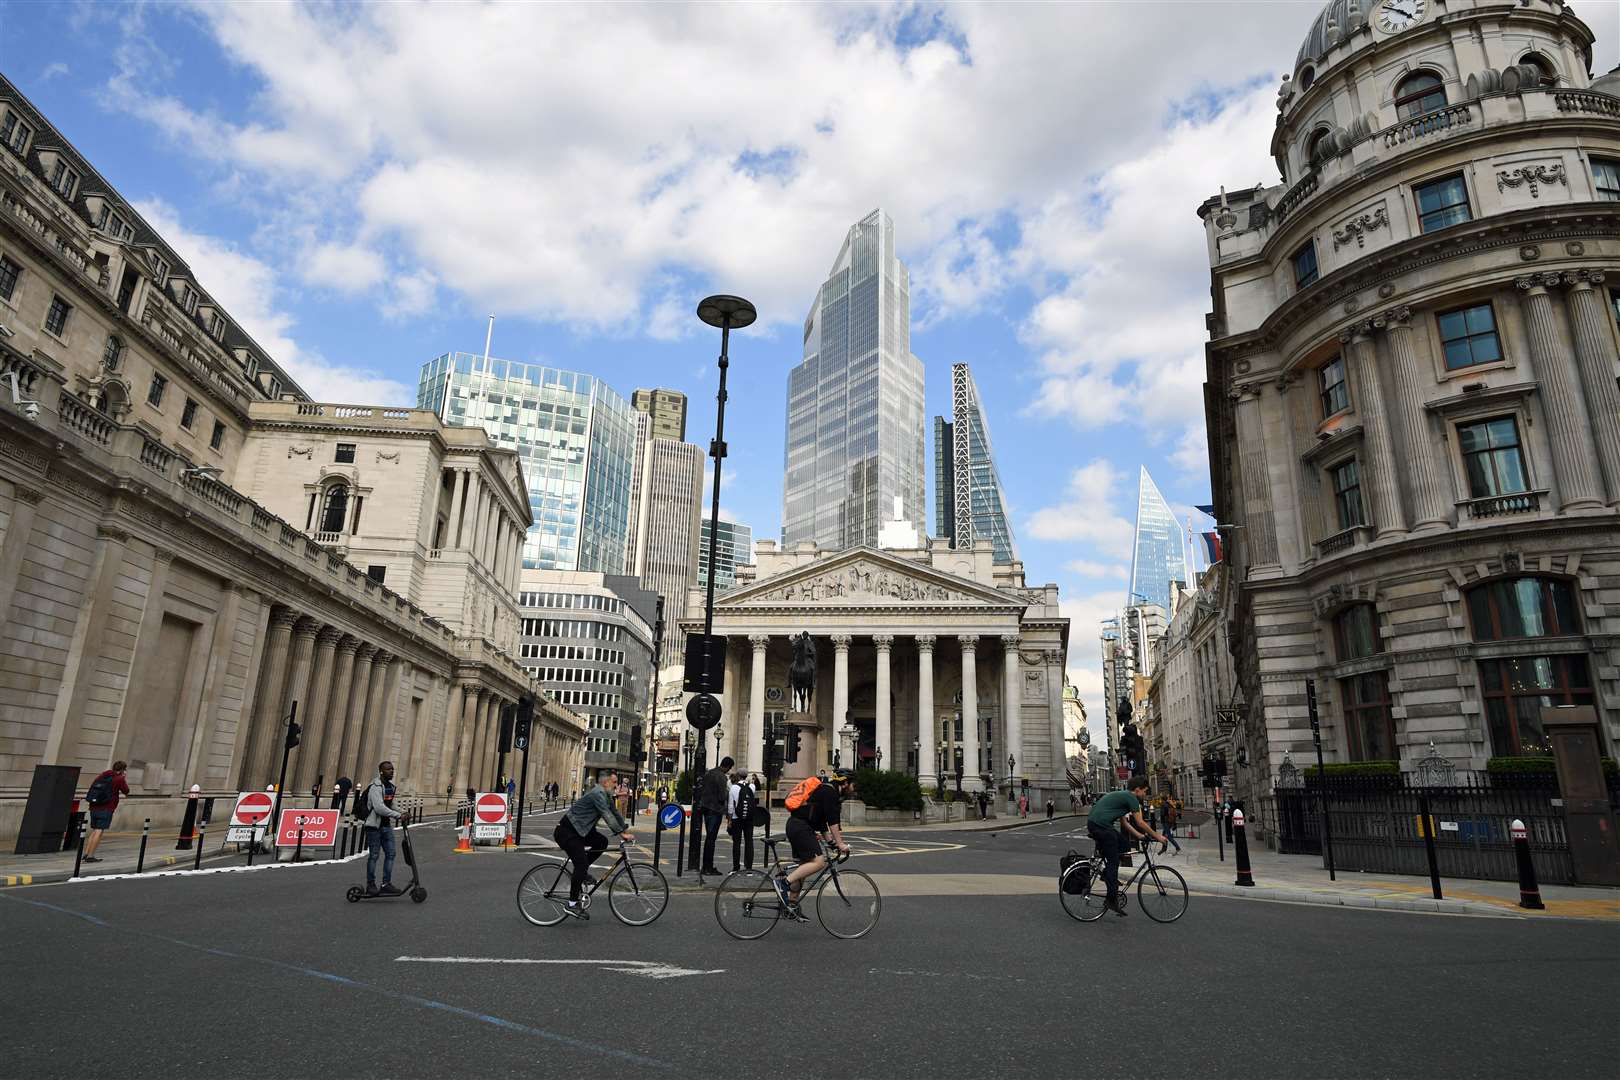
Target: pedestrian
{"x": 380, "y": 815}
{"x": 663, "y": 794}
{"x": 743, "y": 804}
{"x": 984, "y": 806}
{"x": 103, "y": 800}
{"x": 713, "y": 792}
{"x": 1172, "y": 817}
{"x": 1023, "y": 806}
{"x": 511, "y": 790}
{"x": 340, "y": 796}
{"x": 1051, "y": 808}
{"x": 472, "y": 796}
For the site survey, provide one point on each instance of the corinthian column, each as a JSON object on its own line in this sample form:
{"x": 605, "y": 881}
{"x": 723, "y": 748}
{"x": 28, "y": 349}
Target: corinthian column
{"x": 1009, "y": 707}
{"x": 925, "y": 709}
{"x": 312, "y": 715}
{"x": 754, "y": 744}
{"x": 1566, "y": 423}
{"x": 840, "y": 692}
{"x": 376, "y": 694}
{"x": 464, "y": 721}
{"x": 1594, "y": 348}
{"x": 885, "y": 716}
{"x": 1379, "y": 469}
{"x": 1411, "y": 388}
{"x": 326, "y": 739}
{"x": 354, "y": 715}
{"x": 1259, "y": 517}
{"x": 970, "y": 710}
{"x": 271, "y": 682}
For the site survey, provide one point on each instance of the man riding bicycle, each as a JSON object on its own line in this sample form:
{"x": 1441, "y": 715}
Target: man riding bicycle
{"x": 817, "y": 814}
{"x": 576, "y": 834}
{"x": 1114, "y": 812}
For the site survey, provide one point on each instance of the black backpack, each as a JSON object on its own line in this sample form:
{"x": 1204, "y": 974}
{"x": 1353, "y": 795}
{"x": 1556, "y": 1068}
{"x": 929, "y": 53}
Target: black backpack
{"x": 101, "y": 790}
{"x": 361, "y": 806}
{"x": 1074, "y": 884}
{"x": 746, "y": 801}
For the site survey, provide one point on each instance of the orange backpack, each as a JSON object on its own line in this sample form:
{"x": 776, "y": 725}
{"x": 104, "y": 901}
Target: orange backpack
{"x": 801, "y": 791}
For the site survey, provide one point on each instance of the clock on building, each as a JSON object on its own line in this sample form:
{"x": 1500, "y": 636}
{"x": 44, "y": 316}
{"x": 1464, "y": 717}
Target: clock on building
{"x": 1397, "y": 15}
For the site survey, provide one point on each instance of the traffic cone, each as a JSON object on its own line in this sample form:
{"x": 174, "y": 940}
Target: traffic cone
{"x": 464, "y": 840}
{"x": 510, "y": 842}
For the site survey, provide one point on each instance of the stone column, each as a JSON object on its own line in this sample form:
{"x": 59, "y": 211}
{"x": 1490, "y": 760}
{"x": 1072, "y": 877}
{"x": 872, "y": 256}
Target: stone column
{"x": 884, "y": 728}
{"x": 374, "y": 719}
{"x": 1010, "y": 708}
{"x": 1566, "y": 423}
{"x": 970, "y": 711}
{"x": 220, "y": 647}
{"x": 1259, "y": 517}
{"x": 298, "y": 671}
{"x": 312, "y": 714}
{"x": 381, "y": 720}
{"x": 1594, "y": 349}
{"x": 1424, "y": 486}
{"x": 1054, "y": 705}
{"x": 326, "y": 740}
{"x": 354, "y": 715}
{"x": 840, "y": 695}
{"x": 465, "y": 723}
{"x": 84, "y": 648}
{"x": 480, "y": 734}
{"x": 17, "y": 543}
{"x": 755, "y": 742}
{"x": 925, "y": 710}
{"x": 271, "y": 683}
{"x": 492, "y": 735}
{"x": 1378, "y": 469}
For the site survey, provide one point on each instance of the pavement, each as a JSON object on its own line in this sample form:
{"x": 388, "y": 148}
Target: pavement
{"x": 966, "y": 972}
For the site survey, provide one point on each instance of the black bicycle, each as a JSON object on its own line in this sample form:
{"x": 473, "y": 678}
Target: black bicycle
{"x": 1160, "y": 891}
{"x": 637, "y": 891}
{"x": 747, "y": 905}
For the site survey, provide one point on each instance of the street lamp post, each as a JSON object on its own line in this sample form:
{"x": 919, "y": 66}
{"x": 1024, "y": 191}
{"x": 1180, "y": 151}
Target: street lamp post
{"x": 916, "y": 760}
{"x": 719, "y": 733}
{"x": 1012, "y": 781}
{"x": 879, "y": 756}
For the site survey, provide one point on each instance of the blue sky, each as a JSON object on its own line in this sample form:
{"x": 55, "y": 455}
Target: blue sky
{"x": 362, "y": 186}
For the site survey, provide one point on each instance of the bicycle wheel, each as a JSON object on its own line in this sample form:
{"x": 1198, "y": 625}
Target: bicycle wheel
{"x": 746, "y": 905}
{"x": 543, "y": 892}
{"x": 1088, "y": 905}
{"x": 1162, "y": 894}
{"x": 848, "y": 904}
{"x": 638, "y": 894}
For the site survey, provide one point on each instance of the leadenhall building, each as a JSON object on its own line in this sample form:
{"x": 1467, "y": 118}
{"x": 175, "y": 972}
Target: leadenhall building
{"x": 1413, "y": 416}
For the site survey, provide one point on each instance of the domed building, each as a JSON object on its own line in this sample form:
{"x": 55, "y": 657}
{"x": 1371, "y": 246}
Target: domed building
{"x": 1412, "y": 405}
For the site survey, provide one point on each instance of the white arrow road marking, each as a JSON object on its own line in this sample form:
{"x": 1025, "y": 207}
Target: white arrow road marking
{"x": 648, "y": 969}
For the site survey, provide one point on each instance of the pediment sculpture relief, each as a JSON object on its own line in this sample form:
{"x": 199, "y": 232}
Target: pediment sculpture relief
{"x": 861, "y": 581}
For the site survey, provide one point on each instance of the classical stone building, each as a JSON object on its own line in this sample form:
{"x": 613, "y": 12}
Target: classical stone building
{"x": 1412, "y": 404}
{"x": 920, "y": 653}
{"x": 150, "y": 609}
{"x": 1191, "y": 709}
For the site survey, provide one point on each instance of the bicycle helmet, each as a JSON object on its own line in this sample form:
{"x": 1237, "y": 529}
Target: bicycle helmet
{"x": 839, "y": 775}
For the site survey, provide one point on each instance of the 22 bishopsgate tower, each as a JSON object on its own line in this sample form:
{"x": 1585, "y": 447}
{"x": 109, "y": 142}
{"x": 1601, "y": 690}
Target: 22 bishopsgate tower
{"x": 855, "y": 403}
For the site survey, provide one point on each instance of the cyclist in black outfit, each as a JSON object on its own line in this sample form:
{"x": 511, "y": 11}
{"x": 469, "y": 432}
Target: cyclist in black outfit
{"x": 819, "y": 815}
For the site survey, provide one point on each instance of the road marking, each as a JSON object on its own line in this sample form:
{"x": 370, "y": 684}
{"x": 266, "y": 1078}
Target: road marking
{"x": 152, "y": 875}
{"x": 649, "y": 969}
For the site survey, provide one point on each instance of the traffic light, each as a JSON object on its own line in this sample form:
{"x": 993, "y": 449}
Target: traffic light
{"x": 503, "y": 743}
{"x": 525, "y": 719}
{"x": 293, "y": 731}
{"x": 637, "y": 754}
{"x": 792, "y": 753}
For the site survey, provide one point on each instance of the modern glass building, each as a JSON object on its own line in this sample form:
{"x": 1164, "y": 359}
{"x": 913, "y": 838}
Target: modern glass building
{"x": 969, "y": 503}
{"x": 576, "y": 436}
{"x": 734, "y": 545}
{"x": 1158, "y": 556}
{"x": 855, "y": 403}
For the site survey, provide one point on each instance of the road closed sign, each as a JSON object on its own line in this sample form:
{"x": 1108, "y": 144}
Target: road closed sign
{"x": 318, "y": 827}
{"x": 490, "y": 815}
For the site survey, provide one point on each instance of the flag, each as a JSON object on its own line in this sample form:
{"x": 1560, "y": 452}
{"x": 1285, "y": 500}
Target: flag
{"x": 1212, "y": 546}
{"x": 1207, "y": 511}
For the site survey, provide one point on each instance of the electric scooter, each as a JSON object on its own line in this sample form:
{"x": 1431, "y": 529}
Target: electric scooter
{"x": 415, "y": 890}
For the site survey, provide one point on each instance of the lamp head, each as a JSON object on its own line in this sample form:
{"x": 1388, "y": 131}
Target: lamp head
{"x": 722, "y": 310}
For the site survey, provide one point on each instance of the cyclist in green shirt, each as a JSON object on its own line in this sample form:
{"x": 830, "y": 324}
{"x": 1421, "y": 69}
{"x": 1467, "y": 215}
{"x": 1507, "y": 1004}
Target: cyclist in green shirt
{"x": 1116, "y": 811}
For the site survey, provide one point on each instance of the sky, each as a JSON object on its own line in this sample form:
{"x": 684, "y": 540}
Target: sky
{"x": 362, "y": 186}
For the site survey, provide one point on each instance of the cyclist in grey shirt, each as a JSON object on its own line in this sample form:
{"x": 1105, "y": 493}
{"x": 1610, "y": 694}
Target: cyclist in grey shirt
{"x": 576, "y": 834}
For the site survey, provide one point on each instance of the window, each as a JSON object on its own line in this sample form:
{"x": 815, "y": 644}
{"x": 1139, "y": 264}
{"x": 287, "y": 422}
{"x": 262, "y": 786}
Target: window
{"x": 1367, "y": 718}
{"x": 1516, "y": 690}
{"x": 217, "y": 439}
{"x": 56, "y": 318}
{"x": 1525, "y": 607}
{"x": 1546, "y": 73}
{"x": 1306, "y": 78}
{"x": 377, "y": 573}
{"x": 64, "y": 180}
{"x": 14, "y": 133}
{"x": 160, "y": 268}
{"x": 336, "y": 508}
{"x": 251, "y": 366}
{"x": 1606, "y": 179}
{"x": 1442, "y": 203}
{"x": 1347, "y": 494}
{"x": 112, "y": 354}
{"x": 1420, "y": 93}
{"x": 1468, "y": 336}
{"x": 345, "y": 453}
{"x": 112, "y": 224}
{"x": 154, "y": 392}
{"x": 188, "y": 299}
{"x": 1335, "y": 393}
{"x": 1492, "y": 458}
{"x": 1305, "y": 264}
{"x": 9, "y": 272}
{"x": 1355, "y": 632}
{"x": 216, "y": 327}
{"x": 188, "y": 414}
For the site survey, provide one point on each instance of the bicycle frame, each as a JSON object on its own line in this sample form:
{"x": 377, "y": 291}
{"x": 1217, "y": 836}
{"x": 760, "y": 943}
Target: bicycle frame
{"x": 598, "y": 882}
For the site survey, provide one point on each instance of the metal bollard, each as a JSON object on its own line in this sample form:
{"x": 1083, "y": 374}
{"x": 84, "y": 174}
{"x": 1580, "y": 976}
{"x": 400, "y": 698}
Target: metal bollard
{"x": 189, "y": 823}
{"x": 298, "y": 848}
{"x": 680, "y": 848}
{"x": 1428, "y": 844}
{"x": 140, "y": 860}
{"x": 78, "y": 860}
{"x": 658, "y": 839}
{"x": 1529, "y": 891}
{"x": 202, "y": 834}
{"x": 1240, "y": 845}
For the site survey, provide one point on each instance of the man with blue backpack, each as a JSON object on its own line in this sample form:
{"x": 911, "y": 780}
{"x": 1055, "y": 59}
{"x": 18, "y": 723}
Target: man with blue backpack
{"x": 103, "y": 800}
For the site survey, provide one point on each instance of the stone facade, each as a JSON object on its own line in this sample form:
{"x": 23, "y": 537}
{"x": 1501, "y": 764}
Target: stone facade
{"x": 1412, "y": 392}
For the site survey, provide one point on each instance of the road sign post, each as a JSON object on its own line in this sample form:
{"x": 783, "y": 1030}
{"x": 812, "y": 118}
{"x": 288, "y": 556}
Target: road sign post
{"x": 249, "y": 817}
{"x": 490, "y": 815}
{"x": 1321, "y": 777}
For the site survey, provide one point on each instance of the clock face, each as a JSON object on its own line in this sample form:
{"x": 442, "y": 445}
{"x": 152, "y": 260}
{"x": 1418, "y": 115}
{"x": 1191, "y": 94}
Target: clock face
{"x": 1397, "y": 15}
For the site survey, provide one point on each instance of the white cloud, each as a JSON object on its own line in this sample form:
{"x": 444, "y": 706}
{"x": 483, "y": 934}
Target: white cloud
{"x": 348, "y": 268}
{"x": 55, "y": 69}
{"x": 1089, "y": 569}
{"x": 1191, "y": 454}
{"x": 1086, "y": 515}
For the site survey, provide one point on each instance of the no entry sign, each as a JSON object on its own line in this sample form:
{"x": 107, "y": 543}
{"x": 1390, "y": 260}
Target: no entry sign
{"x": 252, "y": 808}
{"x": 320, "y": 827}
{"x": 490, "y": 816}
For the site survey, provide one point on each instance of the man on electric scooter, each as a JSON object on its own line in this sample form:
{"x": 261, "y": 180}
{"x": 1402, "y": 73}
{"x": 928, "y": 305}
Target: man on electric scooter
{"x": 380, "y": 815}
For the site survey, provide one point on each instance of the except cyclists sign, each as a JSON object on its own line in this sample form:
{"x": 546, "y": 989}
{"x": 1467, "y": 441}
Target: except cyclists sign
{"x": 320, "y": 827}
{"x": 490, "y": 815}
{"x": 252, "y": 808}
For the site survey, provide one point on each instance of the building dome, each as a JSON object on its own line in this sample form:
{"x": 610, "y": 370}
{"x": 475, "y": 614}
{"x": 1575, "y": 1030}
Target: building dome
{"x": 1329, "y": 28}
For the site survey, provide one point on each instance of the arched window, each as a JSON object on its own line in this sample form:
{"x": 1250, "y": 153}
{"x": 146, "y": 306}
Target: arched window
{"x": 1543, "y": 66}
{"x": 1314, "y": 148}
{"x": 336, "y": 508}
{"x": 1419, "y": 93}
{"x": 1307, "y": 78}
{"x": 113, "y": 354}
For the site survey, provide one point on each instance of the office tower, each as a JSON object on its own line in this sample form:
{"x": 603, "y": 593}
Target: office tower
{"x": 969, "y": 502}
{"x": 667, "y": 409}
{"x": 665, "y": 537}
{"x": 732, "y": 547}
{"x": 855, "y": 403}
{"x": 576, "y": 438}
{"x": 1158, "y": 556}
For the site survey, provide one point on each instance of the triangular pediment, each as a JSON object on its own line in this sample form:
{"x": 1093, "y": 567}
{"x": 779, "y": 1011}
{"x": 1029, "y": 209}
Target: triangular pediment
{"x": 865, "y": 576}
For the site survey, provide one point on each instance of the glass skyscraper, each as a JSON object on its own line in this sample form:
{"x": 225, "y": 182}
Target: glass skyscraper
{"x": 1158, "y": 556}
{"x": 576, "y": 436}
{"x": 733, "y": 546}
{"x": 969, "y": 503}
{"x": 855, "y": 403}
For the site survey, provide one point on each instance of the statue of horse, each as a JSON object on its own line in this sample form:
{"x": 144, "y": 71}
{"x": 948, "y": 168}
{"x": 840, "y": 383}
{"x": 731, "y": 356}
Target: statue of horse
{"x": 802, "y": 675}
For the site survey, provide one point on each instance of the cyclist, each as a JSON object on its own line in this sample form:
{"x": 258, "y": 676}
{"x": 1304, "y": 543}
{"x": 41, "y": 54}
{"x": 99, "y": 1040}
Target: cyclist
{"x": 1116, "y": 811}
{"x": 576, "y": 834}
{"x": 817, "y": 815}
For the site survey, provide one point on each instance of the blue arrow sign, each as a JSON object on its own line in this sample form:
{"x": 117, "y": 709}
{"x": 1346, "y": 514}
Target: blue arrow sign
{"x": 671, "y": 815}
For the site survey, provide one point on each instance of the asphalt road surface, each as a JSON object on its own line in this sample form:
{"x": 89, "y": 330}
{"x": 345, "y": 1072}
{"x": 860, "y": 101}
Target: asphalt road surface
{"x": 272, "y": 974}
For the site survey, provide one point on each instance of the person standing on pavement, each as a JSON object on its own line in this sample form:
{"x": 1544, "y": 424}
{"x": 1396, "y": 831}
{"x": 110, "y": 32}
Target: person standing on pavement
{"x": 340, "y": 797}
{"x": 713, "y": 792}
{"x": 103, "y": 800}
{"x": 743, "y": 804}
{"x": 1172, "y": 817}
{"x": 380, "y": 815}
{"x": 1051, "y": 808}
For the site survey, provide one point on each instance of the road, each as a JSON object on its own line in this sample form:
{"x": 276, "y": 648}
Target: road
{"x": 270, "y": 973}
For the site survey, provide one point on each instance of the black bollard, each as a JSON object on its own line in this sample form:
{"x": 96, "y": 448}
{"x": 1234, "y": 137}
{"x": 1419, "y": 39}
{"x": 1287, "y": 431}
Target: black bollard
{"x": 201, "y": 834}
{"x": 658, "y": 837}
{"x": 1529, "y": 891}
{"x": 680, "y": 848}
{"x": 140, "y": 860}
{"x": 1428, "y": 824}
{"x": 188, "y": 824}
{"x": 298, "y": 848}
{"x": 1240, "y": 846}
{"x": 78, "y": 860}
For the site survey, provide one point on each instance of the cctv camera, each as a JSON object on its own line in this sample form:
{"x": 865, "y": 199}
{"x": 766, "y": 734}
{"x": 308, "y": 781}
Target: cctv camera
{"x": 30, "y": 410}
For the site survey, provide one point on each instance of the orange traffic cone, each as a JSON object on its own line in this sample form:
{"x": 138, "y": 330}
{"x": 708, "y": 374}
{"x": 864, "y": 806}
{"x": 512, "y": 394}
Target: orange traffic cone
{"x": 464, "y": 840}
{"x": 510, "y": 842}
